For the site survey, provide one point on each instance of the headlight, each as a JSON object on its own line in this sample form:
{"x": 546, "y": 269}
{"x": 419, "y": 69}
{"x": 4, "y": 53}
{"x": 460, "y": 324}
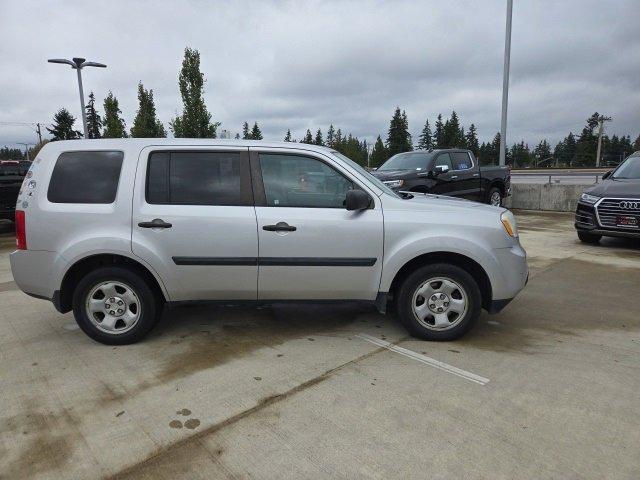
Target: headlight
{"x": 590, "y": 199}
{"x": 394, "y": 183}
{"x": 509, "y": 223}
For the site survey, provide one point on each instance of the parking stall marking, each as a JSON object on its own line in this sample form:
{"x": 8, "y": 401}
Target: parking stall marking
{"x": 424, "y": 359}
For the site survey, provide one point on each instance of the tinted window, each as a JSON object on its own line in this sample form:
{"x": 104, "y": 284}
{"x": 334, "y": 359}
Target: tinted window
{"x": 195, "y": 178}
{"x": 10, "y": 168}
{"x": 629, "y": 169}
{"x": 443, "y": 160}
{"x": 85, "y": 177}
{"x": 461, "y": 161}
{"x": 297, "y": 181}
{"x": 407, "y": 161}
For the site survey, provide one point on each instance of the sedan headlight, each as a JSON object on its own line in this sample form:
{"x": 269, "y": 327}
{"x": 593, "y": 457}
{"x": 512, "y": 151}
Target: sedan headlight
{"x": 590, "y": 199}
{"x": 509, "y": 223}
{"x": 394, "y": 183}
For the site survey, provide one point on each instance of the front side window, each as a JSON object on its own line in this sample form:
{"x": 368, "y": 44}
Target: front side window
{"x": 461, "y": 161}
{"x": 196, "y": 178}
{"x": 85, "y": 177}
{"x": 629, "y": 169}
{"x": 298, "y": 181}
{"x": 443, "y": 160}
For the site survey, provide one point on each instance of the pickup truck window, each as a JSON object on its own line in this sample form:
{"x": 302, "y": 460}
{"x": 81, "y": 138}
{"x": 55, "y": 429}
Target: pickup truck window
{"x": 299, "y": 181}
{"x": 461, "y": 161}
{"x": 195, "y": 178}
{"x": 443, "y": 160}
{"x": 407, "y": 161}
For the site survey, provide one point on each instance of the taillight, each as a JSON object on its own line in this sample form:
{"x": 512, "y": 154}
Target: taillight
{"x": 21, "y": 230}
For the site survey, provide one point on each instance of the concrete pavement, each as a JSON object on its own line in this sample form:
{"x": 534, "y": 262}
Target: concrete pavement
{"x": 299, "y": 392}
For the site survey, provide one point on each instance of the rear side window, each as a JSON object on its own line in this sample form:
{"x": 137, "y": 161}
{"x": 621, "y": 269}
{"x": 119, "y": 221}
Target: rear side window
{"x": 461, "y": 161}
{"x": 198, "y": 178}
{"x": 85, "y": 177}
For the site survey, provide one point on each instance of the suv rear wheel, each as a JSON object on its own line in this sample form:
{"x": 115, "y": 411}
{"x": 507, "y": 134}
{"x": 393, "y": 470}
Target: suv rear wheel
{"x": 439, "y": 302}
{"x": 115, "y": 306}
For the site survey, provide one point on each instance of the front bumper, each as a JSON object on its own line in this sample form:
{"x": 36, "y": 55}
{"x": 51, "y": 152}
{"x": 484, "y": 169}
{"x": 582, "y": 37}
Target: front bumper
{"x": 586, "y": 221}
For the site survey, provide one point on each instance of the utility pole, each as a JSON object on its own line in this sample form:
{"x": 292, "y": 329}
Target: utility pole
{"x": 39, "y": 132}
{"x": 26, "y": 150}
{"x": 505, "y": 83}
{"x": 601, "y": 120}
{"x": 78, "y": 64}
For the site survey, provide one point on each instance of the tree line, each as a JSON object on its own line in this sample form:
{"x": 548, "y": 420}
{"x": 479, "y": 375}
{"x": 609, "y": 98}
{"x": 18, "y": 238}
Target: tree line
{"x": 195, "y": 121}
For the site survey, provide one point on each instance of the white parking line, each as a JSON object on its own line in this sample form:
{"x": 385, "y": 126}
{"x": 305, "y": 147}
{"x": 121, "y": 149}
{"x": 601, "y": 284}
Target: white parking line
{"x": 424, "y": 359}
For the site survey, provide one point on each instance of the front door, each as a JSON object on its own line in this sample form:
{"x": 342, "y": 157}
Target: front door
{"x": 446, "y": 183}
{"x": 468, "y": 175}
{"x": 194, "y": 222}
{"x": 311, "y": 247}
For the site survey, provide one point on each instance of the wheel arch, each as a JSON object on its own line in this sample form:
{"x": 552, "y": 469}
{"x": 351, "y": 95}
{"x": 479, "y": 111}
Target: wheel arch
{"x": 84, "y": 265}
{"x": 468, "y": 264}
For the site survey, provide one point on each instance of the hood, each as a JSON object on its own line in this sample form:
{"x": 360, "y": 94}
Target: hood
{"x": 617, "y": 188}
{"x": 428, "y": 201}
{"x": 394, "y": 174}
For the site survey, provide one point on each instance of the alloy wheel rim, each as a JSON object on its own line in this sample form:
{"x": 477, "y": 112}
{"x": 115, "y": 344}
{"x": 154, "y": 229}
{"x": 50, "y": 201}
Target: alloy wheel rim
{"x": 495, "y": 199}
{"x": 113, "y": 307}
{"x": 439, "y": 303}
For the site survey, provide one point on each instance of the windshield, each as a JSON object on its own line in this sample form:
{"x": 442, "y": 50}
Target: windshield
{"x": 407, "y": 161}
{"x": 366, "y": 174}
{"x": 630, "y": 168}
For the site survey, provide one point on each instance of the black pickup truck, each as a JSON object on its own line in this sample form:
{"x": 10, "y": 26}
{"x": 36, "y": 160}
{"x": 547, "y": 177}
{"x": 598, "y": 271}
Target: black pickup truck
{"x": 452, "y": 172}
{"x": 12, "y": 173}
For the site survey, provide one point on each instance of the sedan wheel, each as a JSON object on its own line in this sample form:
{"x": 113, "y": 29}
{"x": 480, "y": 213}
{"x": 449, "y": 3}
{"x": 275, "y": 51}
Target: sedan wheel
{"x": 439, "y": 304}
{"x": 113, "y": 307}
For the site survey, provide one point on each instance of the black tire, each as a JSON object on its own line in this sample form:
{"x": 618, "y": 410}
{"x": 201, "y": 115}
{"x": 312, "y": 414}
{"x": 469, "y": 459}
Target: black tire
{"x": 586, "y": 237}
{"x": 150, "y": 306}
{"x": 491, "y": 193}
{"x": 439, "y": 270}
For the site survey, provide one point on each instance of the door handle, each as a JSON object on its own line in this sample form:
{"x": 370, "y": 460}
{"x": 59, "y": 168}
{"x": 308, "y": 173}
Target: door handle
{"x": 155, "y": 223}
{"x": 279, "y": 227}
{"x": 453, "y": 177}
{"x": 476, "y": 174}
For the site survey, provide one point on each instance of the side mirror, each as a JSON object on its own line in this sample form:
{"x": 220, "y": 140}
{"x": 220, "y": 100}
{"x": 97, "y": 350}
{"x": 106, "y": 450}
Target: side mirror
{"x": 607, "y": 174}
{"x": 357, "y": 200}
{"x": 440, "y": 169}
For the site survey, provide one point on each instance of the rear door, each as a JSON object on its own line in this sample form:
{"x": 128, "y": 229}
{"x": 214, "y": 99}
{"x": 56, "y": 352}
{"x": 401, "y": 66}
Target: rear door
{"x": 311, "y": 247}
{"x": 194, "y": 221}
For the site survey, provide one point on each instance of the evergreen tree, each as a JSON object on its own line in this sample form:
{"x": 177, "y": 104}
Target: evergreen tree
{"x": 237, "y": 137}
{"x": 308, "y": 138}
{"x": 7, "y": 153}
{"x": 439, "y": 132}
{"x": 146, "y": 124}
{"x": 318, "y": 140}
{"x": 94, "y": 121}
{"x": 62, "y": 128}
{"x": 245, "y": 131}
{"x": 331, "y": 136}
{"x": 472, "y": 140}
{"x": 399, "y": 139}
{"x": 338, "y": 141}
{"x": 114, "y": 126}
{"x": 425, "y": 141}
{"x": 542, "y": 152}
{"x": 256, "y": 133}
{"x": 379, "y": 154}
{"x": 195, "y": 121}
{"x": 287, "y": 137}
{"x": 636, "y": 144}
{"x": 451, "y": 135}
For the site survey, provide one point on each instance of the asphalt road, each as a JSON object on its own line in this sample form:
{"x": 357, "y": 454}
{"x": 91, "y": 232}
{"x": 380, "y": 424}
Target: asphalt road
{"x": 546, "y": 389}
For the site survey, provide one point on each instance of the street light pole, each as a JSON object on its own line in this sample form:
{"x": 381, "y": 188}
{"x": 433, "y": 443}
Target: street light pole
{"x": 505, "y": 84}
{"x": 78, "y": 64}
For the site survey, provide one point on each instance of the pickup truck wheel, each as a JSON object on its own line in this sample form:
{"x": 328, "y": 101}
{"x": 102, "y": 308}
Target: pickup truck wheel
{"x": 587, "y": 237}
{"x": 439, "y": 302}
{"x": 494, "y": 197}
{"x": 115, "y": 306}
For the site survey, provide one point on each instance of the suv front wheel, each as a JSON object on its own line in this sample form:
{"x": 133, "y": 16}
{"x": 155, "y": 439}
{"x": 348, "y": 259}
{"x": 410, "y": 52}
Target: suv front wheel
{"x": 439, "y": 302}
{"x": 115, "y": 306}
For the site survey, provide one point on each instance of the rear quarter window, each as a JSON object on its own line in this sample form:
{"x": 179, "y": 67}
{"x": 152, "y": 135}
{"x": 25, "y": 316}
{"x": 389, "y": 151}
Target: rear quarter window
{"x": 85, "y": 177}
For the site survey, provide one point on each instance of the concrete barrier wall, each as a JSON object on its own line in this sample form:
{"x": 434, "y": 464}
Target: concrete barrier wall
{"x": 545, "y": 196}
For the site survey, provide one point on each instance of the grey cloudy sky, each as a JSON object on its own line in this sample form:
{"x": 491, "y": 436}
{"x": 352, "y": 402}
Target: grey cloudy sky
{"x": 306, "y": 64}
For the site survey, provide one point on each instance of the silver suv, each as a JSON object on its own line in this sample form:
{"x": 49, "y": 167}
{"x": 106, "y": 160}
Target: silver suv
{"x": 114, "y": 229}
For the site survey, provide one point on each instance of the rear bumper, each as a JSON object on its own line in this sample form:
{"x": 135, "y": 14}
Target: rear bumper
{"x": 32, "y": 272}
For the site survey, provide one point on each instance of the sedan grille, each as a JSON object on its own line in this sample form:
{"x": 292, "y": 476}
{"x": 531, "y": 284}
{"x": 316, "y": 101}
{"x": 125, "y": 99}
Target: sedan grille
{"x": 610, "y": 208}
